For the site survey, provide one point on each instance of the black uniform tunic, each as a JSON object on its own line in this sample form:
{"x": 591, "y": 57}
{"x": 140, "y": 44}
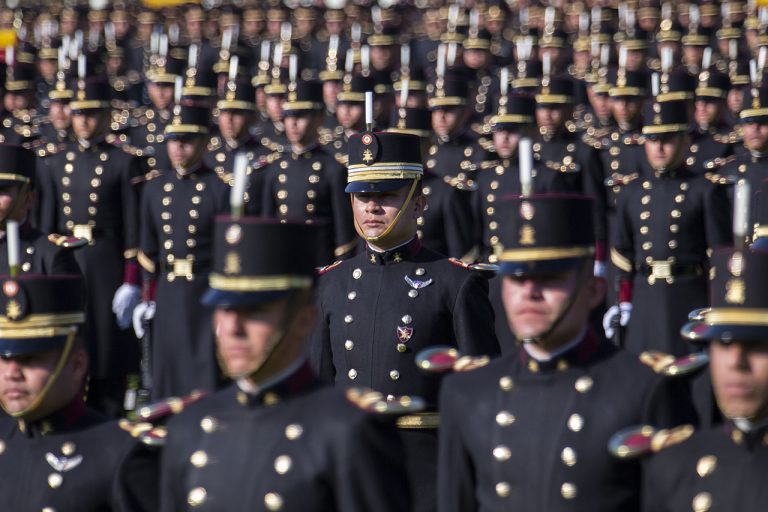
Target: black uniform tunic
{"x": 524, "y": 435}
{"x": 717, "y": 469}
{"x": 292, "y": 446}
{"x": 378, "y": 310}
{"x": 176, "y": 250}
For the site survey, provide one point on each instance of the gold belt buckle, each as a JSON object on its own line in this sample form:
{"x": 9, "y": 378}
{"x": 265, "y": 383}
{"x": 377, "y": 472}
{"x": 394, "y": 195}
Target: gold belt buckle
{"x": 84, "y": 231}
{"x": 661, "y": 269}
{"x": 182, "y": 268}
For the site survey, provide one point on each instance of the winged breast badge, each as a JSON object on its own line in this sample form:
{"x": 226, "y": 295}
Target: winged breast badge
{"x": 62, "y": 464}
{"x": 417, "y": 284}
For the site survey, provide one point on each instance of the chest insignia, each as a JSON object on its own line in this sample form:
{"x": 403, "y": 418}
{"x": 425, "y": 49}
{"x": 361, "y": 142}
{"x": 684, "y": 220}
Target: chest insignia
{"x": 62, "y": 464}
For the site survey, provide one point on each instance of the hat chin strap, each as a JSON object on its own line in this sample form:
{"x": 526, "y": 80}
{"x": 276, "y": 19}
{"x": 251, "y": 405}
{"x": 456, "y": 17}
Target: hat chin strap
{"x": 567, "y": 309}
{"x": 383, "y": 236}
{"x": 51, "y": 381}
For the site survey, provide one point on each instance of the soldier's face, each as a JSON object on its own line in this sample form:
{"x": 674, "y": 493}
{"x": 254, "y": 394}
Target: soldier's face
{"x": 740, "y": 378}
{"x": 708, "y": 112}
{"x": 60, "y": 115}
{"x": 381, "y": 57}
{"x": 301, "y": 129}
{"x": 735, "y": 96}
{"x": 374, "y": 212}
{"x": 47, "y": 68}
{"x": 233, "y": 124}
{"x": 331, "y": 89}
{"x": 350, "y": 115}
{"x": 245, "y": 337}
{"x": 16, "y": 101}
{"x": 756, "y": 136}
{"x": 635, "y": 60}
{"x": 275, "y": 108}
{"x": 446, "y": 121}
{"x": 23, "y": 380}
{"x": 666, "y": 151}
{"x": 534, "y": 303}
{"x": 692, "y": 55}
{"x": 551, "y": 119}
{"x": 161, "y": 95}
{"x": 187, "y": 152}
{"x": 505, "y": 142}
{"x": 476, "y": 59}
{"x": 624, "y": 110}
{"x": 601, "y": 104}
{"x": 89, "y": 124}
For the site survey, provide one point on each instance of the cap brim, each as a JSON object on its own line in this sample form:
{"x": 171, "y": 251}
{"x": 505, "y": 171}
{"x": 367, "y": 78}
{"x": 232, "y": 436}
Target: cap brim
{"x": 701, "y": 332}
{"x": 376, "y": 186}
{"x": 21, "y": 346}
{"x": 220, "y": 298}
{"x": 528, "y": 268}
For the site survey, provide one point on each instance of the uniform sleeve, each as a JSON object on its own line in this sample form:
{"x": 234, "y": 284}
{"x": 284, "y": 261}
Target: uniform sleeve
{"x": 623, "y": 251}
{"x": 170, "y": 496}
{"x": 62, "y": 262}
{"x": 345, "y": 236}
{"x": 593, "y": 177}
{"x": 320, "y": 353}
{"x": 137, "y": 480}
{"x": 268, "y": 207}
{"x": 668, "y": 403}
{"x": 455, "y": 472}
{"x": 130, "y": 207}
{"x": 460, "y": 224}
{"x": 717, "y": 215}
{"x": 148, "y": 243}
{"x": 370, "y": 474}
{"x": 473, "y": 318}
{"x": 45, "y": 207}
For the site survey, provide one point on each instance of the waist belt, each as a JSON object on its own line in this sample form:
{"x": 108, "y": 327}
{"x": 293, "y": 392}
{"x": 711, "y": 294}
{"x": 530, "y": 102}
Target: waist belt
{"x": 182, "y": 267}
{"x": 667, "y": 270}
{"x": 422, "y": 420}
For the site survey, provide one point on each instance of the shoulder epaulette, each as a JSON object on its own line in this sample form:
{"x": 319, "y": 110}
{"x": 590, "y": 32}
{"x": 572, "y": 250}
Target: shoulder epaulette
{"x": 720, "y": 179}
{"x": 162, "y": 409}
{"x": 489, "y": 164}
{"x": 633, "y": 139}
{"x": 485, "y": 143}
{"x": 732, "y": 137}
{"x": 460, "y": 263}
{"x": 328, "y": 268}
{"x": 617, "y": 180}
{"x": 638, "y": 441}
{"x": 151, "y": 175}
{"x": 67, "y": 242}
{"x": 669, "y": 437}
{"x": 25, "y": 130}
{"x": 669, "y": 366}
{"x": 719, "y": 162}
{"x": 48, "y": 149}
{"x": 444, "y": 359}
{"x": 461, "y": 183}
{"x": 592, "y": 141}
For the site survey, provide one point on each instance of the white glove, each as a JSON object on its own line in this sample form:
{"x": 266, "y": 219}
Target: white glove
{"x": 125, "y": 299}
{"x": 599, "y": 269}
{"x": 143, "y": 312}
{"x": 623, "y": 311}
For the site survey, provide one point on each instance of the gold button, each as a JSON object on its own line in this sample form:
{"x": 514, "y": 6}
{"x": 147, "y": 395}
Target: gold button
{"x": 68, "y": 449}
{"x": 2, "y": 447}
{"x": 674, "y": 228}
{"x": 283, "y": 209}
{"x": 702, "y": 502}
{"x": 679, "y": 198}
{"x": 352, "y": 295}
{"x": 166, "y": 201}
{"x": 502, "y": 489}
{"x": 568, "y": 490}
{"x": 283, "y": 464}
{"x": 357, "y": 273}
{"x": 193, "y": 214}
{"x": 168, "y": 187}
{"x": 643, "y": 230}
{"x": 273, "y": 501}
{"x": 311, "y": 194}
{"x": 310, "y": 208}
{"x": 568, "y": 455}
{"x": 91, "y": 210}
{"x": 293, "y": 431}
{"x": 196, "y": 199}
{"x": 506, "y": 384}
{"x": 394, "y": 375}
{"x": 502, "y": 453}
{"x": 676, "y": 214}
{"x": 706, "y": 465}
{"x": 645, "y": 199}
{"x": 209, "y": 424}
{"x": 575, "y": 423}
{"x": 349, "y": 345}
{"x": 505, "y": 418}
{"x": 647, "y": 185}
{"x": 348, "y": 319}
{"x": 645, "y": 215}
{"x": 490, "y": 210}
{"x": 196, "y": 496}
{"x": 352, "y": 374}
{"x": 65, "y": 181}
{"x": 584, "y": 384}
{"x": 413, "y": 294}
{"x": 282, "y": 194}
{"x": 647, "y": 246}
{"x": 55, "y": 480}
{"x": 490, "y": 198}
{"x": 282, "y": 178}
{"x": 199, "y": 459}
{"x": 95, "y": 182}
{"x": 672, "y": 244}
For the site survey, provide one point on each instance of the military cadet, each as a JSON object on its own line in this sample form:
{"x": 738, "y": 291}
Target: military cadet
{"x": 237, "y": 113}
{"x": 751, "y": 163}
{"x": 19, "y": 115}
{"x": 500, "y": 176}
{"x": 350, "y": 110}
{"x": 272, "y": 130}
{"x": 477, "y": 59}
{"x": 559, "y": 149}
{"x": 38, "y": 253}
{"x": 713, "y": 139}
{"x": 57, "y": 454}
{"x": 378, "y": 309}
{"x": 148, "y": 123}
{"x": 58, "y": 126}
{"x": 331, "y": 76}
{"x": 721, "y": 468}
{"x": 306, "y": 182}
{"x": 177, "y": 212}
{"x": 88, "y": 193}
{"x": 503, "y": 446}
{"x": 326, "y": 451}
{"x": 667, "y": 222}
